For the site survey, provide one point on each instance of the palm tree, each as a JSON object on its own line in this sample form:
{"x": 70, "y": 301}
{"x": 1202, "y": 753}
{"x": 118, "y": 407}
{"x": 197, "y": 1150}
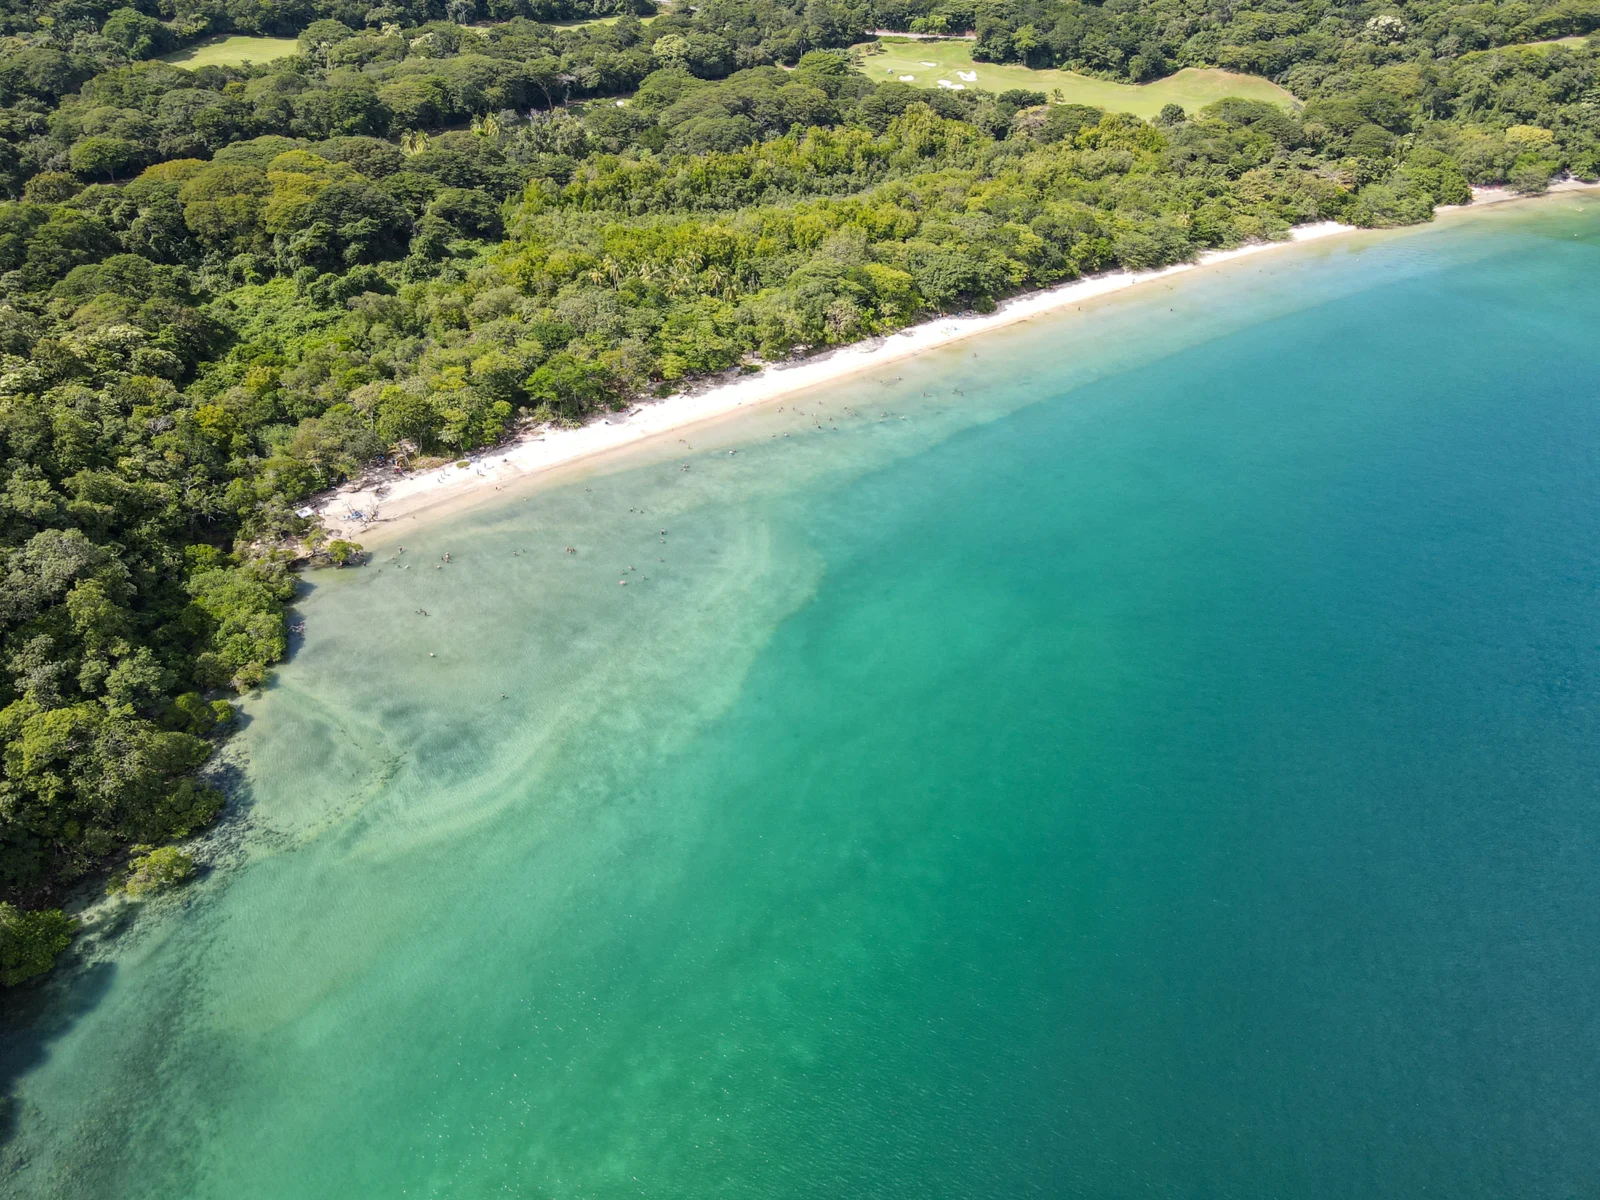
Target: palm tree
{"x": 413, "y": 141}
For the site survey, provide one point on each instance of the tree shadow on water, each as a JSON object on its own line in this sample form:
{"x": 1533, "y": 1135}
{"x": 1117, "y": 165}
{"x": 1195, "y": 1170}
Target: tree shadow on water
{"x": 35, "y": 1015}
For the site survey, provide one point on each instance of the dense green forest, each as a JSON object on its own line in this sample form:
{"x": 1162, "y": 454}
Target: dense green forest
{"x": 223, "y": 290}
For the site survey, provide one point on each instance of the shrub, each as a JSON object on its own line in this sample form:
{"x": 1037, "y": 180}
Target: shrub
{"x": 30, "y": 941}
{"x": 157, "y": 871}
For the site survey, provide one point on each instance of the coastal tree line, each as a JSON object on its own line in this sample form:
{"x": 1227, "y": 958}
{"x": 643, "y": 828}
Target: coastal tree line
{"x": 224, "y": 289}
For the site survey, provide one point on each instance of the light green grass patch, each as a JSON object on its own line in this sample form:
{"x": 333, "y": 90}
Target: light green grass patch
{"x": 1569, "y": 42}
{"x": 1191, "y": 87}
{"x": 231, "y": 51}
{"x": 596, "y": 21}
{"x": 1544, "y": 47}
{"x": 1578, "y": 40}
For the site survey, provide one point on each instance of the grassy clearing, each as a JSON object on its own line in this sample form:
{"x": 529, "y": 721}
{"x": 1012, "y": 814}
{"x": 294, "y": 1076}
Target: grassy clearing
{"x": 598, "y": 21}
{"x": 1579, "y": 40}
{"x": 952, "y": 62}
{"x": 1544, "y": 45}
{"x": 231, "y": 51}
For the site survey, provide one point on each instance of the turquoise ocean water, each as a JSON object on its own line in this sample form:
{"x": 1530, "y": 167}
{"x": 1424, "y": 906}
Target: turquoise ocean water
{"x": 1152, "y": 752}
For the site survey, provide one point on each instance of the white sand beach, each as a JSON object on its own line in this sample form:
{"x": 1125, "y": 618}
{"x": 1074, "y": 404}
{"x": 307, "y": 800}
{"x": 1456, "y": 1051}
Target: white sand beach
{"x": 1499, "y": 195}
{"x": 362, "y": 508}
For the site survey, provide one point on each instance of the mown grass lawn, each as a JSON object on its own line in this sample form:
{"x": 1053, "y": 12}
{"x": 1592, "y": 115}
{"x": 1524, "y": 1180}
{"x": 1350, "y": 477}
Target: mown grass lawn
{"x": 952, "y": 63}
{"x": 231, "y": 51}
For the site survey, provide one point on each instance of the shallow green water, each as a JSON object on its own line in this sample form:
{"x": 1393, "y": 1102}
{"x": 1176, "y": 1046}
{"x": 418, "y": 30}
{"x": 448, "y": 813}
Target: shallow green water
{"x": 1166, "y": 769}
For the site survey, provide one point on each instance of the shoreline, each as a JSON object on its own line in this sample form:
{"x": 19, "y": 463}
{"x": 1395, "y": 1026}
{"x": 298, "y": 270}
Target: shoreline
{"x": 1502, "y": 195}
{"x": 362, "y": 508}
